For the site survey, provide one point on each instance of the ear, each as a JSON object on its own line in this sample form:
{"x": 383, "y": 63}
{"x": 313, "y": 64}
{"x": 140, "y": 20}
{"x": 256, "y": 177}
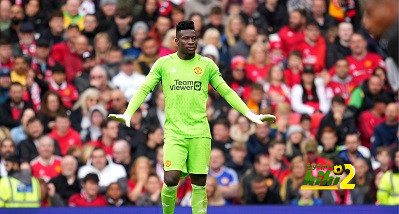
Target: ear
{"x": 177, "y": 41}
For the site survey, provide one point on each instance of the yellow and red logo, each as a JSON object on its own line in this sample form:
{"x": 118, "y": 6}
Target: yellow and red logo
{"x": 368, "y": 63}
{"x": 168, "y": 163}
{"x": 198, "y": 70}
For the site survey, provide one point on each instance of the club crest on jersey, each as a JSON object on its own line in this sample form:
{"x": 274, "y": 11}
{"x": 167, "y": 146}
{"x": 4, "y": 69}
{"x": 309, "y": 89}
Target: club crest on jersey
{"x": 198, "y": 70}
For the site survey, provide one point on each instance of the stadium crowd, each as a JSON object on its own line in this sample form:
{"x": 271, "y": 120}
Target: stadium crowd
{"x": 66, "y": 64}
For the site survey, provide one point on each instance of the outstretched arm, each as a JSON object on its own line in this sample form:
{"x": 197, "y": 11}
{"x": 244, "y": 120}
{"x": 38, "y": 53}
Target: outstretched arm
{"x": 138, "y": 98}
{"x": 233, "y": 99}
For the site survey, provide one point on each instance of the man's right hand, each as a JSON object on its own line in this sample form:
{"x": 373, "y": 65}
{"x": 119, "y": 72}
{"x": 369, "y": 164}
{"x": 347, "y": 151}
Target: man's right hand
{"x": 123, "y": 118}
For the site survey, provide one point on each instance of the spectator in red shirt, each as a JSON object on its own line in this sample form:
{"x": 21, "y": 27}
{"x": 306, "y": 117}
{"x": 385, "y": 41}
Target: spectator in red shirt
{"x": 58, "y": 83}
{"x": 109, "y": 133}
{"x": 89, "y": 197}
{"x": 369, "y": 119}
{"x": 292, "y": 34}
{"x": 275, "y": 88}
{"x": 60, "y": 50}
{"x": 292, "y": 74}
{"x": 160, "y": 28}
{"x": 278, "y": 163}
{"x": 237, "y": 79}
{"x": 361, "y": 62}
{"x": 258, "y": 63}
{"x": 139, "y": 173}
{"x": 64, "y": 134}
{"x": 312, "y": 157}
{"x": 341, "y": 83}
{"x": 46, "y": 165}
{"x": 6, "y": 57}
{"x": 313, "y": 47}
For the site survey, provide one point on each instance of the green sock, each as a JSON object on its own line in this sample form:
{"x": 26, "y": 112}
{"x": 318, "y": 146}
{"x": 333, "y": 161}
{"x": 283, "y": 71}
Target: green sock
{"x": 168, "y": 196}
{"x": 199, "y": 200}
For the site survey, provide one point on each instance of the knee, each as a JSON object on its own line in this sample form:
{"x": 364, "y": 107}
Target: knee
{"x": 171, "y": 179}
{"x": 199, "y": 180}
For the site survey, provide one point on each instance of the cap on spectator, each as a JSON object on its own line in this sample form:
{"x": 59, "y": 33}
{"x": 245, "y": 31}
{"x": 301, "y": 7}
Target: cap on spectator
{"x": 42, "y": 43}
{"x": 240, "y": 146}
{"x": 91, "y": 177}
{"x": 294, "y": 129}
{"x": 87, "y": 55}
{"x": 128, "y": 60}
{"x": 211, "y": 50}
{"x": 308, "y": 69}
{"x": 139, "y": 26}
{"x": 275, "y": 42}
{"x": 5, "y": 72}
{"x": 58, "y": 69}
{"x": 237, "y": 61}
{"x": 311, "y": 146}
{"x": 107, "y": 2}
{"x": 27, "y": 27}
{"x": 73, "y": 25}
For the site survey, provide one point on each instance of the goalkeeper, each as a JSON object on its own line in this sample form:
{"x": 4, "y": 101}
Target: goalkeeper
{"x": 185, "y": 76}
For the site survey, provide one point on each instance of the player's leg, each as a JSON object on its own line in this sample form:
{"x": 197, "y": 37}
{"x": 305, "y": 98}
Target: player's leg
{"x": 198, "y": 165}
{"x": 175, "y": 156}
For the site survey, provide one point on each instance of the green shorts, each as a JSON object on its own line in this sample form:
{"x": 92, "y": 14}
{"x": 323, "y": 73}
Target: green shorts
{"x": 188, "y": 155}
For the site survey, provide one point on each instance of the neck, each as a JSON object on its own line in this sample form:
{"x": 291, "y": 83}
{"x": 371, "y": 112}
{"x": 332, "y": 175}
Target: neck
{"x": 310, "y": 42}
{"x": 62, "y": 132}
{"x": 384, "y": 167}
{"x": 308, "y": 85}
{"x": 275, "y": 162}
{"x": 4, "y": 60}
{"x": 129, "y": 73}
{"x": 184, "y": 56}
{"x": 106, "y": 140}
{"x": 41, "y": 60}
{"x": 275, "y": 82}
{"x": 151, "y": 144}
{"x": 391, "y": 122}
{"x": 55, "y": 33}
{"x": 238, "y": 162}
{"x": 46, "y": 159}
{"x": 360, "y": 55}
{"x": 344, "y": 43}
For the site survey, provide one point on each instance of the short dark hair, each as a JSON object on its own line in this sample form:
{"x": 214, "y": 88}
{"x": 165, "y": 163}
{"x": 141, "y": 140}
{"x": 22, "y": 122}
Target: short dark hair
{"x": 296, "y": 53}
{"x": 55, "y": 14}
{"x": 276, "y": 142}
{"x": 22, "y": 57}
{"x": 256, "y": 87}
{"x": 91, "y": 177}
{"x": 312, "y": 23}
{"x": 13, "y": 159}
{"x": 300, "y": 11}
{"x": 62, "y": 115}
{"x": 338, "y": 99}
{"x": 185, "y": 25}
{"x": 32, "y": 120}
{"x": 216, "y": 10}
{"x": 16, "y": 84}
{"x": 259, "y": 156}
{"x": 328, "y": 129}
{"x": 97, "y": 149}
{"x": 115, "y": 48}
{"x": 223, "y": 122}
{"x": 305, "y": 117}
{"x": 123, "y": 13}
{"x": 105, "y": 123}
{"x": 178, "y": 8}
{"x": 57, "y": 68}
{"x": 5, "y": 41}
{"x": 383, "y": 98}
{"x": 258, "y": 179}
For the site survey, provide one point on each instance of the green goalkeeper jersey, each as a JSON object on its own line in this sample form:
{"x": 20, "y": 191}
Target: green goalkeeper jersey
{"x": 185, "y": 88}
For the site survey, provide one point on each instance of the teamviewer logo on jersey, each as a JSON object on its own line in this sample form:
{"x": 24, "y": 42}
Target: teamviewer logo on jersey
{"x": 197, "y": 85}
{"x": 186, "y": 85}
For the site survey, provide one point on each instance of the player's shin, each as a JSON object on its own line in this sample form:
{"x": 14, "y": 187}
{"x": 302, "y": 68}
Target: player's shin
{"x": 199, "y": 200}
{"x": 168, "y": 196}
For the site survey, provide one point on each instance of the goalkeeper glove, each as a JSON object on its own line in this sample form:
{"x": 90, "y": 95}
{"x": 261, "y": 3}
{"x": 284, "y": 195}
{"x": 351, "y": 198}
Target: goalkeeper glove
{"x": 124, "y": 118}
{"x": 260, "y": 118}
